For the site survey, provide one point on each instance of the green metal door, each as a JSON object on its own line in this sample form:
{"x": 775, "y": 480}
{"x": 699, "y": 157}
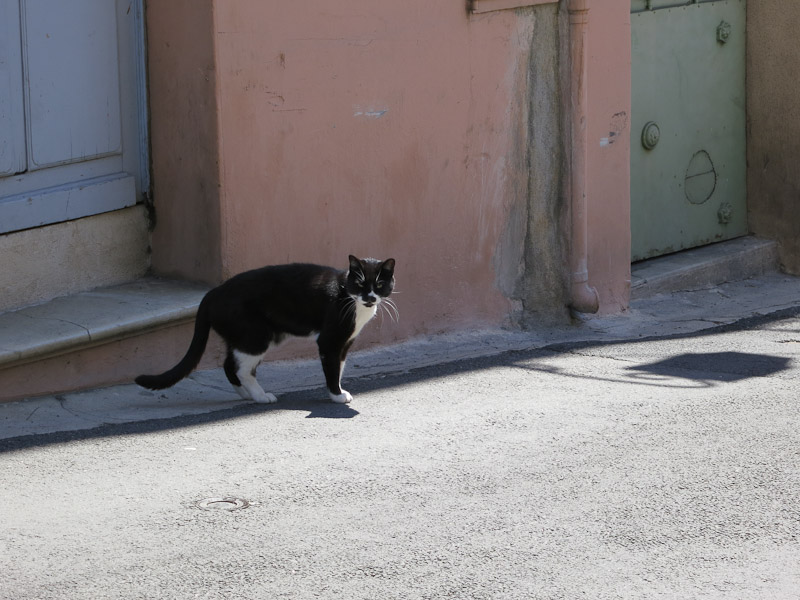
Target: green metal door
{"x": 688, "y": 184}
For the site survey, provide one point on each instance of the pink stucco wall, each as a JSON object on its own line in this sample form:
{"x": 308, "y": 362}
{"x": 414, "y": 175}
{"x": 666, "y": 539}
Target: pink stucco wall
{"x": 608, "y": 160}
{"x": 184, "y": 139}
{"x": 378, "y": 129}
{"x": 306, "y": 132}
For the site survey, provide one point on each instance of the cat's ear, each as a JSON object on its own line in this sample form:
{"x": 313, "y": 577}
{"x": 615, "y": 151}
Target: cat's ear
{"x": 355, "y": 265}
{"x": 387, "y": 266}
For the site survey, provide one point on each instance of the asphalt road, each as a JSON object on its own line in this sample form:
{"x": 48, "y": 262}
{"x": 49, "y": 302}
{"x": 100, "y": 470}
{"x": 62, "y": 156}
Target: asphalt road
{"x": 660, "y": 468}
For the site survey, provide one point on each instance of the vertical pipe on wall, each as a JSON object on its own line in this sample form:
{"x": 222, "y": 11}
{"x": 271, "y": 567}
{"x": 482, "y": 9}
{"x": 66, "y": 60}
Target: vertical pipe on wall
{"x": 583, "y": 298}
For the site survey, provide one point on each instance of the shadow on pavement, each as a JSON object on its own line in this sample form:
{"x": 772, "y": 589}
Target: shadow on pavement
{"x": 717, "y": 366}
{"x": 306, "y": 401}
{"x": 683, "y": 371}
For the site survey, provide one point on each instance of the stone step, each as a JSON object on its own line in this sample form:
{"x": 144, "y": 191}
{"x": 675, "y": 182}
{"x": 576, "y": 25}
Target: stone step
{"x": 732, "y": 260}
{"x": 79, "y": 340}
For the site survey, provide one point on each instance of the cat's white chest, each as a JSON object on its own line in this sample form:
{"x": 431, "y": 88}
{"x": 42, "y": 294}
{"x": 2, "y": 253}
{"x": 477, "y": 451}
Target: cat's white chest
{"x": 363, "y": 315}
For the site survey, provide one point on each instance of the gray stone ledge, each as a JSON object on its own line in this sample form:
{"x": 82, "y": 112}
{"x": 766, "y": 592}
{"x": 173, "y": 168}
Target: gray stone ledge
{"x": 95, "y": 317}
{"x": 737, "y": 259}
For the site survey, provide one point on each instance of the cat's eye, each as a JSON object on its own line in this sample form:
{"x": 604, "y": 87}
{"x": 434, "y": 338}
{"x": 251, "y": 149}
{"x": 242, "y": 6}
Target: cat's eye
{"x": 379, "y": 284}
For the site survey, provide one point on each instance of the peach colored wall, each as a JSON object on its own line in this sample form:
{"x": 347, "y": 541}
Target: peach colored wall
{"x": 608, "y": 176}
{"x": 379, "y": 129}
{"x": 296, "y": 132}
{"x": 184, "y": 139}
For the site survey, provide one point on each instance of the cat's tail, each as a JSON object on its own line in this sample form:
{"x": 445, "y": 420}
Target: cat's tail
{"x": 202, "y": 326}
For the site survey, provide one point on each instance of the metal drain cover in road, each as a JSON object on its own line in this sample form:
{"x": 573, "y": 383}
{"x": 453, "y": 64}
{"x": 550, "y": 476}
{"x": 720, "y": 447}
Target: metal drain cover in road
{"x": 222, "y": 504}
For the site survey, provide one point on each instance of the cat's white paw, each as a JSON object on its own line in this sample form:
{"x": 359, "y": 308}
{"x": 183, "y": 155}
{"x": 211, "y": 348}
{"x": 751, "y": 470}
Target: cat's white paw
{"x": 265, "y": 398}
{"x": 256, "y": 394}
{"x": 343, "y": 398}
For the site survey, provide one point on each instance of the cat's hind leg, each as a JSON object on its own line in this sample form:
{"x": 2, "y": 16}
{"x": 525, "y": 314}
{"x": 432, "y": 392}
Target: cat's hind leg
{"x": 240, "y": 368}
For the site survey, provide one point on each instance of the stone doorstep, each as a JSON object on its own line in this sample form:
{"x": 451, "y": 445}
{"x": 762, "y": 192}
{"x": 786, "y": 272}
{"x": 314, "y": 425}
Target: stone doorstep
{"x": 734, "y": 260}
{"x": 95, "y": 317}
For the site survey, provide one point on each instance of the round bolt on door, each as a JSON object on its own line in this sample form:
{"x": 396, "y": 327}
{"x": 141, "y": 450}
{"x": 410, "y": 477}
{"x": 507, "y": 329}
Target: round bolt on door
{"x": 650, "y": 135}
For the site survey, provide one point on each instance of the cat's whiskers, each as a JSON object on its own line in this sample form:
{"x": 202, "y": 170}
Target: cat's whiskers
{"x": 349, "y": 310}
{"x": 390, "y": 308}
{"x": 381, "y": 313}
{"x": 396, "y": 311}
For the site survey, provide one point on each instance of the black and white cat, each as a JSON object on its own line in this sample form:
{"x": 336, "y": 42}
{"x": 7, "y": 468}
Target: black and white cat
{"x": 257, "y": 308}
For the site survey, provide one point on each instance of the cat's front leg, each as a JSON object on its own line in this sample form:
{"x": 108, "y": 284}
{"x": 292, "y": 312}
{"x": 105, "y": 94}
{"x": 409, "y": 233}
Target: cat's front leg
{"x": 332, "y": 366}
{"x": 333, "y": 377}
{"x": 344, "y": 398}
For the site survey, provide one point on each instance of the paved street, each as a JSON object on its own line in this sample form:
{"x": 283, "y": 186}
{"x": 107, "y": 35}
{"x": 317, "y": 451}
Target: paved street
{"x": 664, "y": 467}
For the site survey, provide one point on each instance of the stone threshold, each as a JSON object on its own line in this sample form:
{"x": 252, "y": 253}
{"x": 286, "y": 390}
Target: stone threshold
{"x": 733, "y": 260}
{"x": 99, "y": 316}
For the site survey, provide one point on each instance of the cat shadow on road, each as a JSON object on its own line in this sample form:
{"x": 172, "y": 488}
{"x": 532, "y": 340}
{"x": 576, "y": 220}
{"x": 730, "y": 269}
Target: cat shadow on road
{"x": 317, "y": 409}
{"x": 311, "y": 402}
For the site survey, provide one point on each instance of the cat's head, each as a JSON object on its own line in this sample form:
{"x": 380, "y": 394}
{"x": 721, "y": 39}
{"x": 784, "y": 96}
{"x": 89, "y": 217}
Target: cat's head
{"x": 369, "y": 281}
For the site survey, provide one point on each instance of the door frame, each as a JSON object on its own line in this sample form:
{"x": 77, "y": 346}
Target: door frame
{"x": 72, "y": 191}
